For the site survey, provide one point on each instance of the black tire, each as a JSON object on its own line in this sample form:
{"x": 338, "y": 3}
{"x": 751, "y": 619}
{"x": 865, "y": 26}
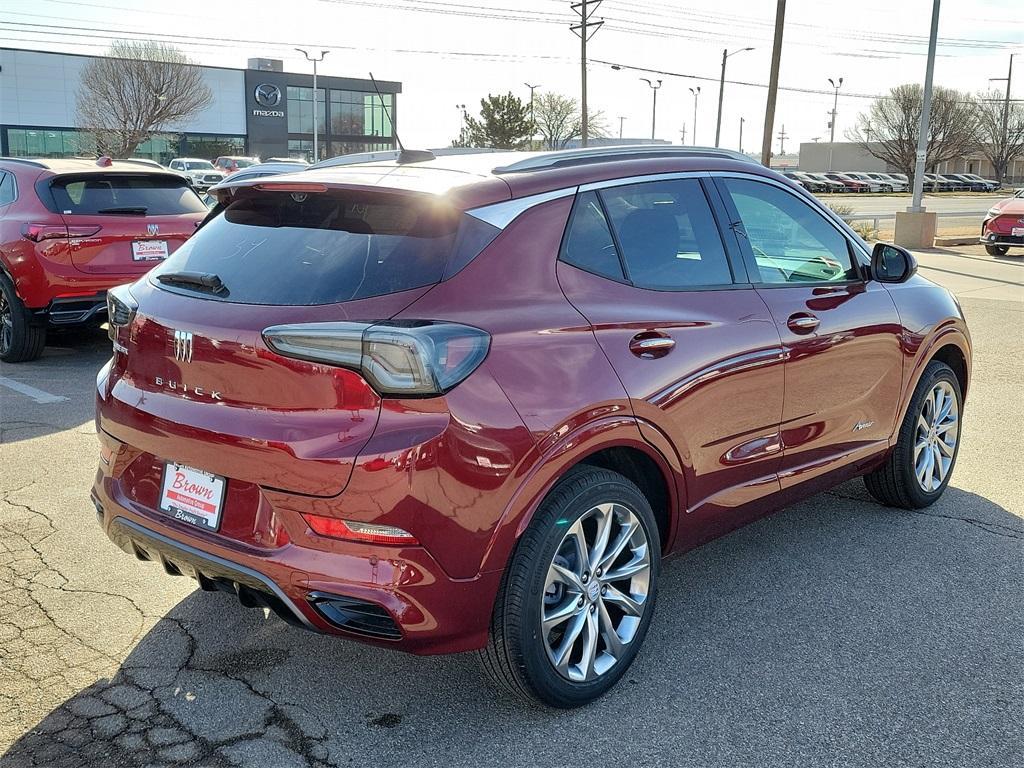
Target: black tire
{"x": 516, "y": 655}
{"x": 996, "y": 250}
{"x": 20, "y": 339}
{"x": 894, "y": 483}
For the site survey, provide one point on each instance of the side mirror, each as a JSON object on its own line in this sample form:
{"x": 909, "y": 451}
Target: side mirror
{"x": 891, "y": 263}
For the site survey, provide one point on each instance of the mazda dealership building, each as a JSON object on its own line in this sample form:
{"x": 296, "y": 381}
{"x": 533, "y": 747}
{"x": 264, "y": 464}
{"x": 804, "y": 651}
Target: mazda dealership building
{"x": 261, "y": 111}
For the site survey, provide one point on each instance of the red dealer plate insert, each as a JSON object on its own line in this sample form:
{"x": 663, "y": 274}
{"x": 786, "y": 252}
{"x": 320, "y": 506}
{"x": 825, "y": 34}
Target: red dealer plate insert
{"x": 192, "y": 496}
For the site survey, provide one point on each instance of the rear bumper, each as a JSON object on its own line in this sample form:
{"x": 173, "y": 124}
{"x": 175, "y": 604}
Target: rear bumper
{"x": 386, "y": 596}
{"x": 994, "y": 238}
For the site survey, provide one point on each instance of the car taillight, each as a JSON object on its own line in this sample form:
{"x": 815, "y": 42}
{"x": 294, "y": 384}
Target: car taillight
{"x": 417, "y": 358}
{"x": 121, "y": 307}
{"x": 39, "y": 232}
{"x": 369, "y": 533}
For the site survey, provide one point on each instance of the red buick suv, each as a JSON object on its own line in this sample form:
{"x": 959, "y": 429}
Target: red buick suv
{"x": 71, "y": 229}
{"x": 471, "y": 402}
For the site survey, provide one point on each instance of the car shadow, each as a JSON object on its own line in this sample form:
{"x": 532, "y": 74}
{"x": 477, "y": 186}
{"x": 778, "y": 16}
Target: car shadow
{"x": 838, "y": 631}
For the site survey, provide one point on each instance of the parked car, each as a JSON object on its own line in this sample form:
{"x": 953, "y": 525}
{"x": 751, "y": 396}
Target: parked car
{"x": 72, "y": 229}
{"x": 470, "y": 402}
{"x": 874, "y": 185}
{"x": 1003, "y": 226}
{"x": 935, "y": 183}
{"x": 895, "y": 185}
{"x": 902, "y": 177}
{"x": 228, "y": 164}
{"x": 851, "y": 184}
{"x": 833, "y": 185}
{"x": 991, "y": 184}
{"x": 969, "y": 184}
{"x": 805, "y": 181}
{"x": 200, "y": 172}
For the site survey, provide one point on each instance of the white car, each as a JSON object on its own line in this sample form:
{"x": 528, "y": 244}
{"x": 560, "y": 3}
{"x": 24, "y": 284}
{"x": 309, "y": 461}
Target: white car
{"x": 874, "y": 185}
{"x": 200, "y": 172}
{"x": 898, "y": 185}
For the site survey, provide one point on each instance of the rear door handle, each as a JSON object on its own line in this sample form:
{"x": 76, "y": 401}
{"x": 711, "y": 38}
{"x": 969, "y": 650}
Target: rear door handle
{"x": 651, "y": 344}
{"x": 802, "y": 322}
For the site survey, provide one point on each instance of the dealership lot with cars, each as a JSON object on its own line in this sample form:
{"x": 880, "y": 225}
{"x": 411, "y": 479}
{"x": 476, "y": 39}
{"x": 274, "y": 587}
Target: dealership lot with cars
{"x": 436, "y": 417}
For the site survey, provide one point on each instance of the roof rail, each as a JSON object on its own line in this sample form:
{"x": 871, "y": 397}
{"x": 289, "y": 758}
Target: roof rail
{"x": 568, "y": 157}
{"x": 26, "y": 161}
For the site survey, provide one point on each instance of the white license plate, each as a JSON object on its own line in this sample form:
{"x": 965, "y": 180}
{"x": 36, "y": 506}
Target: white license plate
{"x": 192, "y": 496}
{"x": 149, "y": 250}
{"x": 1017, "y": 231}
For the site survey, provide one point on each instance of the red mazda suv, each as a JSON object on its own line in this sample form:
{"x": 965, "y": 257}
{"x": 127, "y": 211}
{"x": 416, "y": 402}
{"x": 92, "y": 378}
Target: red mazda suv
{"x": 71, "y": 229}
{"x": 471, "y": 402}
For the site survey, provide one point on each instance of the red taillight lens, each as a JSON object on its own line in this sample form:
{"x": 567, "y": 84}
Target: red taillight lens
{"x": 368, "y": 533}
{"x": 39, "y": 232}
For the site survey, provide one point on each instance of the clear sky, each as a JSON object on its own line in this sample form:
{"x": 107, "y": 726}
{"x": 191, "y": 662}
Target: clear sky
{"x": 449, "y": 52}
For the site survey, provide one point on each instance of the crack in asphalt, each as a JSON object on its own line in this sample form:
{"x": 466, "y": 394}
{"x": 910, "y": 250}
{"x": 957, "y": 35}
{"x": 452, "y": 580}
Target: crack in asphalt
{"x": 124, "y": 713}
{"x": 994, "y": 528}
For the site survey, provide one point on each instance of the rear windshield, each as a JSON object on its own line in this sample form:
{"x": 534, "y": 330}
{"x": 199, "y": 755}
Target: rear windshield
{"x": 113, "y": 194}
{"x": 302, "y": 248}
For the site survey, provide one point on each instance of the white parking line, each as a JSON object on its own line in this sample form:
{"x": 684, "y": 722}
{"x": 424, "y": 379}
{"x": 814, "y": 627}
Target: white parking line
{"x": 36, "y": 394}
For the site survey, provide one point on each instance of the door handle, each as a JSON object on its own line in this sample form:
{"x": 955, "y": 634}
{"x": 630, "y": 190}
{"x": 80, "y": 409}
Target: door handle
{"x": 651, "y": 345}
{"x": 802, "y": 322}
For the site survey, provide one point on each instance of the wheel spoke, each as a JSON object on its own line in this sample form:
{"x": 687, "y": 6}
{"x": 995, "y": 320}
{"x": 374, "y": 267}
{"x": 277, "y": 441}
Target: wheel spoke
{"x": 940, "y": 469}
{"x": 635, "y": 566}
{"x": 561, "y": 574}
{"x": 945, "y": 427}
{"x": 605, "y": 515}
{"x": 629, "y": 605}
{"x": 612, "y": 642}
{"x": 612, "y": 554}
{"x": 565, "y": 611}
{"x": 945, "y": 448}
{"x": 590, "y": 637}
{"x": 917, "y": 450}
{"x": 923, "y": 427}
{"x": 564, "y": 651}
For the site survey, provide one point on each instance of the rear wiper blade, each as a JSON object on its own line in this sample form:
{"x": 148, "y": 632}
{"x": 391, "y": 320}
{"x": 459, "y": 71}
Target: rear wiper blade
{"x": 206, "y": 281}
{"x": 139, "y": 209}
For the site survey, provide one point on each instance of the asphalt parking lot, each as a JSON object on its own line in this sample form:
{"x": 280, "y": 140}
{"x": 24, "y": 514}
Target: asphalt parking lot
{"x": 837, "y": 632}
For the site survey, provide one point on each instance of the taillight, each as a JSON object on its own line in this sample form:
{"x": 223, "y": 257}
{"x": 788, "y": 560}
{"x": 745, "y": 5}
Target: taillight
{"x": 369, "y": 533}
{"x": 121, "y": 307}
{"x": 39, "y": 232}
{"x": 396, "y": 358}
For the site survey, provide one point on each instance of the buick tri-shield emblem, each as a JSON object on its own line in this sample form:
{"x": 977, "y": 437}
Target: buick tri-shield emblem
{"x": 183, "y": 346}
{"x": 153, "y": 229}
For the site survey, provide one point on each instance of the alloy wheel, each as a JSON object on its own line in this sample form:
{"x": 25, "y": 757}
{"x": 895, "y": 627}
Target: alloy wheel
{"x": 936, "y": 435}
{"x": 595, "y": 592}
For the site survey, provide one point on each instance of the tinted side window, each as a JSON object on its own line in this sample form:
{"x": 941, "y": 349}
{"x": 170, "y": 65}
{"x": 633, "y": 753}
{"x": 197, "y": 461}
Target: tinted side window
{"x": 791, "y": 242}
{"x": 7, "y": 193}
{"x": 588, "y": 243}
{"x": 667, "y": 234}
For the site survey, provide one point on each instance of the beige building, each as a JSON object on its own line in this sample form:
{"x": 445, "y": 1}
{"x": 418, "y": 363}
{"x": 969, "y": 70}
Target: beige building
{"x": 849, "y": 156}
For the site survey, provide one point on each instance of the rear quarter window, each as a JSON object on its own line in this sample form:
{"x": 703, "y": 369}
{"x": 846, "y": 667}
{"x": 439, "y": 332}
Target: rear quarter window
{"x": 102, "y": 194}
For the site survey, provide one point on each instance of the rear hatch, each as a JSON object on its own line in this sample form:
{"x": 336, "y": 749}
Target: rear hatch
{"x": 225, "y": 401}
{"x": 136, "y": 219}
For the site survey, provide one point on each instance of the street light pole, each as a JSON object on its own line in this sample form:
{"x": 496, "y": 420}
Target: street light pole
{"x": 621, "y": 121}
{"x": 926, "y": 107}
{"x": 721, "y": 89}
{"x": 314, "y": 59}
{"x": 742, "y": 120}
{"x": 1006, "y": 108}
{"x": 832, "y": 124}
{"x": 533, "y": 123}
{"x": 654, "y": 106}
{"x": 696, "y": 93}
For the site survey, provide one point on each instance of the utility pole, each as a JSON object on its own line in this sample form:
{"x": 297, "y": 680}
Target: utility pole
{"x": 316, "y": 151}
{"x": 1006, "y": 108}
{"x": 621, "y": 121}
{"x": 832, "y": 124}
{"x": 584, "y": 10}
{"x": 654, "y": 106}
{"x": 462, "y": 128}
{"x": 926, "y": 107}
{"x": 773, "y": 85}
{"x": 721, "y": 89}
{"x": 682, "y": 135}
{"x": 696, "y": 93}
{"x": 742, "y": 121}
{"x": 533, "y": 123}
{"x": 782, "y": 140}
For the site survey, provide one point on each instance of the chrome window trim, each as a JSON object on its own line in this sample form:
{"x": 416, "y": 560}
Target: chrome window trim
{"x": 627, "y": 181}
{"x": 502, "y": 214}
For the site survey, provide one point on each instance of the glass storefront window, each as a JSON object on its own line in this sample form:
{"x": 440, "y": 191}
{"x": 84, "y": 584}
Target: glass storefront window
{"x": 355, "y": 113}
{"x": 32, "y": 142}
{"x": 351, "y": 147}
{"x": 300, "y": 110}
{"x": 212, "y": 147}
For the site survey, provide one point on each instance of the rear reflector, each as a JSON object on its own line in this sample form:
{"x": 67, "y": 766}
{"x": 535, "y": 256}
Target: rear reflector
{"x": 369, "y": 533}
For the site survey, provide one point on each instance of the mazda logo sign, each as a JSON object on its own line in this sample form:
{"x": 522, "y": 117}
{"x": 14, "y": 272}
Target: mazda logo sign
{"x": 267, "y": 95}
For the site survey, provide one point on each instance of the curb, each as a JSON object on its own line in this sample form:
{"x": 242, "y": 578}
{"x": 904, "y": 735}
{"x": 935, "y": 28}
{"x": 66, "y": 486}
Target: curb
{"x": 945, "y": 241}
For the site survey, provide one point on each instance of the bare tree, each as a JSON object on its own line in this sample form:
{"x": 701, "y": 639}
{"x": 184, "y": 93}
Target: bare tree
{"x": 559, "y": 121}
{"x": 139, "y": 89}
{"x": 1000, "y": 130}
{"x": 888, "y": 130}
